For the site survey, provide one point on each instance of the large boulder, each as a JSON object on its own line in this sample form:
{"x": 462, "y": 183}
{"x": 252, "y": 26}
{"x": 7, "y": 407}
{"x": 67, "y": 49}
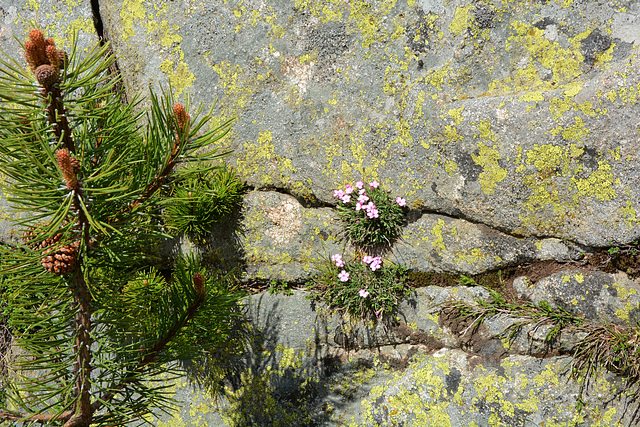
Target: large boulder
{"x": 516, "y": 115}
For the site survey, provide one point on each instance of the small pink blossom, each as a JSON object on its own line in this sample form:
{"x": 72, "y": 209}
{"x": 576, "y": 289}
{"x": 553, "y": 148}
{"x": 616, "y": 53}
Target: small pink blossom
{"x": 359, "y": 184}
{"x": 338, "y": 194}
{"x": 367, "y": 259}
{"x": 362, "y": 191}
{"x": 358, "y": 206}
{"x": 372, "y": 211}
{"x": 400, "y": 201}
{"x": 346, "y": 198}
{"x": 363, "y": 198}
{"x": 337, "y": 259}
{"x": 377, "y": 313}
{"x": 376, "y": 263}
{"x": 348, "y": 189}
{"x": 374, "y": 184}
{"x": 343, "y": 276}
{"x": 363, "y": 293}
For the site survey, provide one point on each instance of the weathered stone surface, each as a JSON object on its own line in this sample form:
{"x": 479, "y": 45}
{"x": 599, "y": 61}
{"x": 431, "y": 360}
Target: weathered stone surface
{"x": 518, "y": 115}
{"x": 596, "y": 295}
{"x": 274, "y": 237}
{"x": 402, "y": 382}
{"x": 449, "y": 389}
{"x": 444, "y": 244}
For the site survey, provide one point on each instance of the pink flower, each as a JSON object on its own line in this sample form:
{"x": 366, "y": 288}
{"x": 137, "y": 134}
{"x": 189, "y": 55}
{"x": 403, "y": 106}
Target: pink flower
{"x": 374, "y": 184}
{"x": 348, "y": 189}
{"x": 359, "y": 184}
{"x": 362, "y": 191}
{"x": 377, "y": 313}
{"x": 372, "y": 212}
{"x": 346, "y": 198}
{"x": 363, "y": 293}
{"x": 337, "y": 259}
{"x": 363, "y": 198}
{"x": 376, "y": 263}
{"x": 343, "y": 276}
{"x": 338, "y": 194}
{"x": 401, "y": 201}
{"x": 358, "y": 206}
{"x": 367, "y": 259}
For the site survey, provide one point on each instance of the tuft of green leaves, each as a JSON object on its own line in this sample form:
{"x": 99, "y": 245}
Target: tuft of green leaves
{"x": 202, "y": 198}
{"x": 353, "y": 288}
{"x": 371, "y": 218}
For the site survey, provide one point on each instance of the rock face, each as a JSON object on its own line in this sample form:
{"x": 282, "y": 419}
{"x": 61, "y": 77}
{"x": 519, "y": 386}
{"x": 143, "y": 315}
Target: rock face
{"x": 512, "y": 130}
{"x": 516, "y": 115}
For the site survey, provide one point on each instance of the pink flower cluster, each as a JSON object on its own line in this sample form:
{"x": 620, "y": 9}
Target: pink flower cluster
{"x": 362, "y": 198}
{"x": 374, "y": 262}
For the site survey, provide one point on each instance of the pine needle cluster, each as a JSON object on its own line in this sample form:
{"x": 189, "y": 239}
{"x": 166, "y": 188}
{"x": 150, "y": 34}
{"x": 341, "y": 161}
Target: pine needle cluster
{"x": 98, "y": 329}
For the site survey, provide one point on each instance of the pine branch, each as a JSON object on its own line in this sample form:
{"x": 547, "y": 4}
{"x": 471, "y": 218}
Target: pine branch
{"x": 58, "y": 118}
{"x": 161, "y": 345}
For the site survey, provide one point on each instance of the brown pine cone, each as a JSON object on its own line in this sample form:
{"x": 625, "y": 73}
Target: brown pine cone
{"x": 199, "y": 285}
{"x": 181, "y": 117}
{"x": 61, "y": 261}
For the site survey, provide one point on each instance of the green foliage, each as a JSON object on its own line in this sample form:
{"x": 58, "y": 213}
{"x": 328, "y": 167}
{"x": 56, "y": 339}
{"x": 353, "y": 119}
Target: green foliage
{"x": 600, "y": 347}
{"x": 371, "y": 219}
{"x": 356, "y": 288}
{"x": 276, "y": 287}
{"x": 202, "y": 198}
{"x": 100, "y": 330}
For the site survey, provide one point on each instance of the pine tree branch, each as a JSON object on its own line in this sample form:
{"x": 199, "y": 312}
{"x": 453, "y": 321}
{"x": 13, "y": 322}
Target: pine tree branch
{"x": 159, "y": 179}
{"x": 58, "y": 118}
{"x": 151, "y": 356}
{"x": 82, "y": 298}
{"x": 38, "y": 418}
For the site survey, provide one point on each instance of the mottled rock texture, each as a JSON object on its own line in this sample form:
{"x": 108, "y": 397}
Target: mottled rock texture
{"x": 510, "y": 127}
{"x": 517, "y": 115}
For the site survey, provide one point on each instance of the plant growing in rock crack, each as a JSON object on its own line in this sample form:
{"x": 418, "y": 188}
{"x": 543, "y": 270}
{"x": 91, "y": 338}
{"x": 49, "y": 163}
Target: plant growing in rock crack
{"x": 364, "y": 288}
{"x": 371, "y": 218}
{"x": 98, "y": 329}
{"x": 610, "y": 347}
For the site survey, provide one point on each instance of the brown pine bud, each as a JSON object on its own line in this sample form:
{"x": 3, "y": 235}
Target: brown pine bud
{"x": 36, "y": 52}
{"x": 75, "y": 164}
{"x": 46, "y": 75}
{"x": 31, "y": 53}
{"x": 181, "y": 117}
{"x": 198, "y": 284}
{"x": 65, "y": 164}
{"x": 63, "y": 59}
{"x": 37, "y": 38}
{"x": 52, "y": 56}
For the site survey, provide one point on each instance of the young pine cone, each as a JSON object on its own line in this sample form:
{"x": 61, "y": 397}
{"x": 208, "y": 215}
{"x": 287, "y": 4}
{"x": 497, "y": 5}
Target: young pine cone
{"x": 199, "y": 284}
{"x": 69, "y": 167}
{"x": 182, "y": 117}
{"x": 61, "y": 261}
